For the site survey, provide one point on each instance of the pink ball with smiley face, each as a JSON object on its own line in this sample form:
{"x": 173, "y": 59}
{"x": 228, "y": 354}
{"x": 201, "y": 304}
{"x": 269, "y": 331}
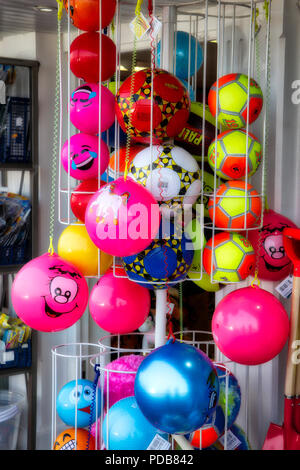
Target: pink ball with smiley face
{"x": 84, "y": 161}
{"x": 273, "y": 263}
{"x": 84, "y": 108}
{"x": 49, "y": 294}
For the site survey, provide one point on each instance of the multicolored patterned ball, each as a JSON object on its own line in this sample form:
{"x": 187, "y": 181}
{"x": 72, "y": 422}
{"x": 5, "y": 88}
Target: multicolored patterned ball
{"x": 165, "y": 262}
{"x": 230, "y": 394}
{"x": 232, "y": 102}
{"x": 169, "y": 172}
{"x": 171, "y": 106}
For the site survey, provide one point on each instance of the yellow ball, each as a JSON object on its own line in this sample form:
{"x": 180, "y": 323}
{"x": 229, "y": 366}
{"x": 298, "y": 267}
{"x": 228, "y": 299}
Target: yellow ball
{"x": 75, "y": 246}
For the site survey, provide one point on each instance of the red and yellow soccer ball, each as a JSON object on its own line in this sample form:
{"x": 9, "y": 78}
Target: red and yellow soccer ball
{"x": 171, "y": 106}
{"x": 232, "y": 93}
{"x": 229, "y": 257}
{"x": 234, "y": 206}
{"x": 228, "y": 157}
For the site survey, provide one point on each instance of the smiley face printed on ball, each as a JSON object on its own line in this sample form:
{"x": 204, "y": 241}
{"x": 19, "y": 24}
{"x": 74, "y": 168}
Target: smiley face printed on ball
{"x": 78, "y": 398}
{"x": 83, "y": 162}
{"x": 84, "y": 108}
{"x": 49, "y": 293}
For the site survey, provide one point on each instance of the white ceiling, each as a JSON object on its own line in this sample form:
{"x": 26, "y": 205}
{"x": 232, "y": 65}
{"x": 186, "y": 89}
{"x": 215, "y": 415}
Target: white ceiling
{"x": 20, "y": 15}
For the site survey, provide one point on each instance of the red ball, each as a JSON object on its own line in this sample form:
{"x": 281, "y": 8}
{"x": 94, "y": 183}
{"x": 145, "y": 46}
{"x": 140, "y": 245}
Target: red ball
{"x": 85, "y": 13}
{"x": 84, "y": 57}
{"x": 81, "y": 196}
{"x": 171, "y": 106}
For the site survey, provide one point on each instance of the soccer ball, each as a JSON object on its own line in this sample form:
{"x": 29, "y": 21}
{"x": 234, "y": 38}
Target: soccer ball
{"x": 165, "y": 262}
{"x": 171, "y": 106}
{"x": 170, "y": 173}
{"x": 230, "y": 258}
{"x": 229, "y": 160}
{"x": 233, "y": 100}
{"x": 234, "y": 206}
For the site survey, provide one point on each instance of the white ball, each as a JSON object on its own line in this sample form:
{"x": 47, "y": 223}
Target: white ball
{"x": 169, "y": 172}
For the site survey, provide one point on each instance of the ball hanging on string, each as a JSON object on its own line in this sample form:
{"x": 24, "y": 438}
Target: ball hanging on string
{"x": 250, "y": 326}
{"x": 171, "y": 106}
{"x": 177, "y": 388}
{"x": 122, "y": 218}
{"x": 81, "y": 196}
{"x": 49, "y": 293}
{"x": 85, "y": 14}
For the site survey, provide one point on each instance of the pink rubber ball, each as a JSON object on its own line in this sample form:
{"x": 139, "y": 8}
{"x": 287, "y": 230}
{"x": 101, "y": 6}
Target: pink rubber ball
{"x": 250, "y": 326}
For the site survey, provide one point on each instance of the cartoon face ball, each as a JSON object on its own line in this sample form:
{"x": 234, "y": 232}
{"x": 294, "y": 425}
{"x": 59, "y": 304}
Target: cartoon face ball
{"x": 235, "y": 206}
{"x": 78, "y": 398}
{"x": 49, "y": 293}
{"x": 122, "y": 218}
{"x": 165, "y": 262}
{"x": 169, "y": 172}
{"x": 66, "y": 440}
{"x": 273, "y": 263}
{"x": 84, "y": 108}
{"x": 83, "y": 162}
{"x": 229, "y": 159}
{"x": 170, "y": 109}
{"x": 233, "y": 100}
{"x": 229, "y": 257}
{"x": 85, "y": 14}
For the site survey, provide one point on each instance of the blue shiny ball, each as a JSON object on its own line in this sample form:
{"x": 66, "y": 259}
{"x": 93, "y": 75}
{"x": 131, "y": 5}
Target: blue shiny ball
{"x": 183, "y": 47}
{"x": 69, "y": 398}
{"x": 128, "y": 429}
{"x": 191, "y": 92}
{"x": 177, "y": 388}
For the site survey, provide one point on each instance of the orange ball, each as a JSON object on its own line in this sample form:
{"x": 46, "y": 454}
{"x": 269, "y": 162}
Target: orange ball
{"x": 67, "y": 441}
{"x": 85, "y": 13}
{"x": 117, "y": 160}
{"x": 235, "y": 206}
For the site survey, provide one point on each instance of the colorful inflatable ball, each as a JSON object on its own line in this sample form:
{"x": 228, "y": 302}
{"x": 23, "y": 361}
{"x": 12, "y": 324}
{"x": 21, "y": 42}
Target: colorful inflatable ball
{"x": 81, "y": 196}
{"x": 80, "y": 156}
{"x": 49, "y": 293}
{"x": 74, "y": 439}
{"x": 85, "y": 14}
{"x": 85, "y": 53}
{"x": 75, "y": 246}
{"x": 232, "y": 100}
{"x": 84, "y": 108}
{"x": 250, "y": 326}
{"x": 230, "y": 394}
{"x": 273, "y": 263}
{"x": 171, "y": 106}
{"x": 228, "y": 154}
{"x": 117, "y": 304}
{"x": 177, "y": 388}
{"x": 119, "y": 158}
{"x": 76, "y": 403}
{"x": 228, "y": 257}
{"x": 235, "y": 206}
{"x": 122, "y": 218}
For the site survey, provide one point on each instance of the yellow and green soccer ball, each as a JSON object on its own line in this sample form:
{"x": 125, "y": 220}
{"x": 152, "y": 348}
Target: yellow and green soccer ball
{"x": 229, "y": 97}
{"x": 227, "y": 156}
{"x": 229, "y": 257}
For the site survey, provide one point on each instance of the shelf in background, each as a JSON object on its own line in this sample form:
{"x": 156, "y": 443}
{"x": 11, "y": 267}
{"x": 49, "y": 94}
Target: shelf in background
{"x": 10, "y": 269}
{"x": 17, "y": 166}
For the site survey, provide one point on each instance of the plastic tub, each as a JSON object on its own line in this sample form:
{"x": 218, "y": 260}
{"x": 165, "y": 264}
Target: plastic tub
{"x": 11, "y": 404}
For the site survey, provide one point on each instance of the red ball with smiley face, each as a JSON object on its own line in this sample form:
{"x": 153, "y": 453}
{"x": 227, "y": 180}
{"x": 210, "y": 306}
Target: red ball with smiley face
{"x": 49, "y": 294}
{"x": 83, "y": 162}
{"x": 84, "y": 108}
{"x": 273, "y": 263}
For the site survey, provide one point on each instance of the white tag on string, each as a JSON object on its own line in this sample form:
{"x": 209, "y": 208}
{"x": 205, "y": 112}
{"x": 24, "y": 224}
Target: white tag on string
{"x": 159, "y": 443}
{"x": 155, "y": 27}
{"x": 170, "y": 308}
{"x": 285, "y": 288}
{"x": 232, "y": 441}
{"x": 139, "y": 26}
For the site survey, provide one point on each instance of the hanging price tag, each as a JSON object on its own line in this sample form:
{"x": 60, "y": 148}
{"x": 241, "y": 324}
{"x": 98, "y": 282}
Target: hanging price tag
{"x": 159, "y": 443}
{"x": 232, "y": 441}
{"x": 155, "y": 27}
{"x": 139, "y": 26}
{"x": 285, "y": 287}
